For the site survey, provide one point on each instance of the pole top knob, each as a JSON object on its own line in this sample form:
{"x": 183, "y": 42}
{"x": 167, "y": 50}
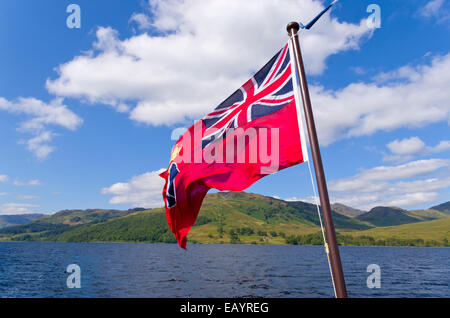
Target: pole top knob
{"x": 293, "y": 25}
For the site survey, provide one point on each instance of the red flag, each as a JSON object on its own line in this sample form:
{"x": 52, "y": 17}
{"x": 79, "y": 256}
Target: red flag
{"x": 255, "y": 132}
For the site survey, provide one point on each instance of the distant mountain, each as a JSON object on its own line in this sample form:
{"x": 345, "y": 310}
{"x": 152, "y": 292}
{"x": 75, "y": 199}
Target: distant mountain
{"x": 427, "y": 215}
{"x": 145, "y": 226}
{"x": 387, "y": 216}
{"x": 444, "y": 207}
{"x": 239, "y": 217}
{"x": 418, "y": 233}
{"x": 19, "y": 219}
{"x": 136, "y": 210}
{"x": 64, "y": 220}
{"x": 220, "y": 214}
{"x": 346, "y": 210}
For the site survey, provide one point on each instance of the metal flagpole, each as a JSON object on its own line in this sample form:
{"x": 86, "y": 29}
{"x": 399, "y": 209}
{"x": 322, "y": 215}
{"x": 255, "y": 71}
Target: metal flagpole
{"x": 338, "y": 275}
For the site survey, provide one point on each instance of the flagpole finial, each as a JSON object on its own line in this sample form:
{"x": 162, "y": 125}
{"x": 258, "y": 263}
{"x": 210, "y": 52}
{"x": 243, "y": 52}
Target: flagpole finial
{"x": 293, "y": 25}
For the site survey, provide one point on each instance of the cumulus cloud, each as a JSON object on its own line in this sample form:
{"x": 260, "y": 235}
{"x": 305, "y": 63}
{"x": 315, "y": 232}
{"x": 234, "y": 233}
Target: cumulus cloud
{"x": 406, "y": 149}
{"x": 184, "y": 69}
{"x": 408, "y": 146}
{"x": 39, "y": 144}
{"x": 3, "y": 178}
{"x": 444, "y": 145}
{"x": 17, "y": 208}
{"x": 142, "y": 20}
{"x": 144, "y": 190}
{"x": 392, "y": 185}
{"x": 405, "y": 99}
{"x": 198, "y": 54}
{"x": 41, "y": 116}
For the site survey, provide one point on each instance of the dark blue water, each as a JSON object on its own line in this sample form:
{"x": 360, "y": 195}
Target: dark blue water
{"x": 164, "y": 270}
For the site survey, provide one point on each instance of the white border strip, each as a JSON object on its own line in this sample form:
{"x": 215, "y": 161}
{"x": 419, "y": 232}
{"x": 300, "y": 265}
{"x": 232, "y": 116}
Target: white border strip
{"x": 301, "y": 123}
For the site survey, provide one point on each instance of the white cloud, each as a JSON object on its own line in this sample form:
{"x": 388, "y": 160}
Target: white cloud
{"x": 142, "y": 20}
{"x": 436, "y": 11}
{"x": 144, "y": 190}
{"x": 310, "y": 199}
{"x": 386, "y": 173}
{"x": 31, "y": 183}
{"x": 368, "y": 201}
{"x": 407, "y": 146}
{"x": 186, "y": 69}
{"x": 3, "y": 178}
{"x": 407, "y": 73}
{"x": 41, "y": 116}
{"x": 3, "y": 194}
{"x": 406, "y": 149}
{"x": 17, "y": 208}
{"x": 444, "y": 145}
{"x": 410, "y": 199}
{"x": 432, "y": 8}
{"x": 27, "y": 197}
{"x": 39, "y": 144}
{"x": 405, "y": 99}
{"x": 201, "y": 53}
{"x": 392, "y": 185}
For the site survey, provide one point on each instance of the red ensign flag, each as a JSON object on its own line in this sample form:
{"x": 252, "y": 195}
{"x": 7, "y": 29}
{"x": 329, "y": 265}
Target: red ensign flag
{"x": 255, "y": 132}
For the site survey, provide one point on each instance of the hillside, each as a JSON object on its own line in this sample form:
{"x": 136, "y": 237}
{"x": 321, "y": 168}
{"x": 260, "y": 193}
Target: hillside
{"x": 426, "y": 215}
{"x": 64, "y": 220}
{"x": 346, "y": 210}
{"x": 220, "y": 214}
{"x": 272, "y": 211}
{"x": 437, "y": 230}
{"x": 148, "y": 226}
{"x": 387, "y": 216}
{"x": 238, "y": 217}
{"x": 444, "y": 207}
{"x": 11, "y": 220}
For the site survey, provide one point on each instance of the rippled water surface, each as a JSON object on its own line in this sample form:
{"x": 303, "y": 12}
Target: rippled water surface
{"x": 164, "y": 270}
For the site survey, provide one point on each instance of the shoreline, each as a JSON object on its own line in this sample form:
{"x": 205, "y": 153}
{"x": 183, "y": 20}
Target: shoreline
{"x": 223, "y": 243}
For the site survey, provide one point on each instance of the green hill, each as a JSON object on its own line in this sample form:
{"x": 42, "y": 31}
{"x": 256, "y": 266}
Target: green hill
{"x": 64, "y": 220}
{"x": 254, "y": 217}
{"x": 346, "y": 210}
{"x": 220, "y": 216}
{"x": 426, "y": 215}
{"x": 149, "y": 226}
{"x": 444, "y": 207}
{"x": 238, "y": 217}
{"x": 273, "y": 211}
{"x": 19, "y": 219}
{"x": 437, "y": 230}
{"x": 387, "y": 216}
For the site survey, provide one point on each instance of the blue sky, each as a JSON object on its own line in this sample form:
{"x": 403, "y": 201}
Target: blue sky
{"x": 86, "y": 115}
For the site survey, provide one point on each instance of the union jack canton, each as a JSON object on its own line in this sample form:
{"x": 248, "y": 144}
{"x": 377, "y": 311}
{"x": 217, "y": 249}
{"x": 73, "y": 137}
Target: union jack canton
{"x": 269, "y": 90}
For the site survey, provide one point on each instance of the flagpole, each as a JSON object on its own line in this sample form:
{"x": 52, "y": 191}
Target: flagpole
{"x": 335, "y": 260}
